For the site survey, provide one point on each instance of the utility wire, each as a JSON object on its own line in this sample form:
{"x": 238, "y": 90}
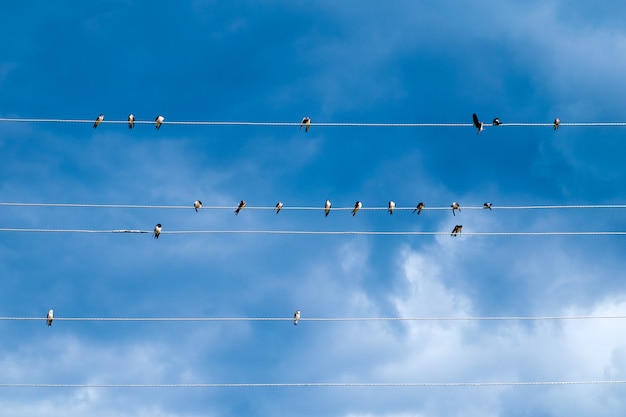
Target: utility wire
{"x": 317, "y": 124}
{"x": 322, "y": 319}
{"x": 315, "y": 232}
{"x": 317, "y": 208}
{"x": 323, "y": 384}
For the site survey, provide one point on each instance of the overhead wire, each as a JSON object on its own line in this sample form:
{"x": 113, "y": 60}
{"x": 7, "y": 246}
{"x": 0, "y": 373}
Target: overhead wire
{"x": 296, "y": 124}
{"x": 321, "y": 384}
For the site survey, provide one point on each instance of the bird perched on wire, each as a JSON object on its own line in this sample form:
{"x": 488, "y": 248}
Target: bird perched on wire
{"x": 306, "y": 122}
{"x": 456, "y": 230}
{"x": 487, "y": 206}
{"x": 241, "y": 205}
{"x": 419, "y": 208}
{"x": 159, "y": 121}
{"x": 131, "y": 121}
{"x": 296, "y": 317}
{"x": 556, "y": 124}
{"x": 98, "y": 120}
{"x": 496, "y": 122}
{"x": 357, "y": 207}
{"x": 391, "y": 206}
{"x": 455, "y": 206}
{"x": 197, "y": 204}
{"x": 478, "y": 124}
{"x": 157, "y": 230}
{"x": 279, "y": 205}
{"x": 50, "y": 317}
{"x": 327, "y": 206}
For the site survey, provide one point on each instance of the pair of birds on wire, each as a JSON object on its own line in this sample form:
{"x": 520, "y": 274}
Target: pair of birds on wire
{"x": 131, "y": 121}
{"x": 496, "y": 122}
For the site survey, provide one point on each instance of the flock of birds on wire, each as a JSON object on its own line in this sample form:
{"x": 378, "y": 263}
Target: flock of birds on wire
{"x": 306, "y": 122}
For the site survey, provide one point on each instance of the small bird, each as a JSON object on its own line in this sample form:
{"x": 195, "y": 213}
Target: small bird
{"x": 327, "y": 207}
{"x": 197, "y": 204}
{"x": 296, "y": 317}
{"x": 478, "y": 124}
{"x": 496, "y": 122}
{"x": 241, "y": 205}
{"x": 157, "y": 230}
{"x": 419, "y": 208}
{"x": 98, "y": 120}
{"x": 50, "y": 317}
{"x": 456, "y": 230}
{"x": 357, "y": 206}
{"x": 487, "y": 206}
{"x": 131, "y": 121}
{"x": 306, "y": 122}
{"x": 159, "y": 121}
{"x": 391, "y": 206}
{"x": 279, "y": 205}
{"x": 455, "y": 206}
{"x": 557, "y": 122}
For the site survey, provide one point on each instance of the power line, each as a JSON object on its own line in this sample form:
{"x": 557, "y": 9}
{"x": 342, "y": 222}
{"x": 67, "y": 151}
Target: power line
{"x": 314, "y": 232}
{"x": 317, "y": 124}
{"x": 317, "y": 208}
{"x": 324, "y": 384}
{"x": 321, "y": 319}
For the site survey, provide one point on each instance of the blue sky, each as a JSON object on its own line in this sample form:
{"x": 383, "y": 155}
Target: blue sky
{"x": 347, "y": 61}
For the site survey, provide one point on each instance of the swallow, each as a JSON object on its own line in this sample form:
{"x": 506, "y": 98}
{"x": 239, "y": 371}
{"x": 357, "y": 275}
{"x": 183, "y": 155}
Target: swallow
{"x": 296, "y": 317}
{"x": 50, "y": 317}
{"x": 496, "y": 122}
{"x": 279, "y": 205}
{"x": 357, "y": 206}
{"x": 455, "y": 206}
{"x": 98, "y": 120}
{"x": 197, "y": 204}
{"x": 487, "y": 206}
{"x": 131, "y": 121}
{"x": 241, "y": 205}
{"x": 556, "y": 124}
{"x": 456, "y": 230}
{"x": 419, "y": 208}
{"x": 327, "y": 206}
{"x": 159, "y": 121}
{"x": 306, "y": 122}
{"x": 157, "y": 230}
{"x": 391, "y": 206}
{"x": 478, "y": 124}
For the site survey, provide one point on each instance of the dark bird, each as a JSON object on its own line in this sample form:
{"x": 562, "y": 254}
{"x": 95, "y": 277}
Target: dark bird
{"x": 197, "y": 204}
{"x": 496, "y": 122}
{"x": 98, "y": 120}
{"x": 478, "y": 124}
{"x": 456, "y": 230}
{"x": 487, "y": 206}
{"x": 419, "y": 208}
{"x": 241, "y": 205}
{"x": 357, "y": 207}
{"x": 306, "y": 122}
{"x": 157, "y": 230}
{"x": 131, "y": 121}
{"x": 327, "y": 207}
{"x": 557, "y": 122}
{"x": 279, "y": 205}
{"x": 455, "y": 206}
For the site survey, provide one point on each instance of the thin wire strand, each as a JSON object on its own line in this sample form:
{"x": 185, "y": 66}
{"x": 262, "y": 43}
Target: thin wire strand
{"x": 313, "y": 232}
{"x": 317, "y": 208}
{"x": 317, "y": 124}
{"x": 321, "y": 319}
{"x": 323, "y": 384}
